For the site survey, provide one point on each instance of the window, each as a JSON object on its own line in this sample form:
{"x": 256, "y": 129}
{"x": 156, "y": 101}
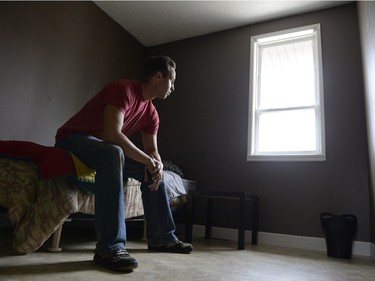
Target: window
{"x": 286, "y": 113}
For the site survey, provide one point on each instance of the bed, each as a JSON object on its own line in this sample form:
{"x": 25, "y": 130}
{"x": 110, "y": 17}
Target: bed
{"x": 41, "y": 187}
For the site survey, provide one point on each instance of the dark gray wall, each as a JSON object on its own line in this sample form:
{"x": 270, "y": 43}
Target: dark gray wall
{"x": 204, "y": 127}
{"x": 54, "y": 56}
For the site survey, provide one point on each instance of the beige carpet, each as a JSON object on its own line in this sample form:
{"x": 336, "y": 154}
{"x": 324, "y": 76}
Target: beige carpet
{"x": 211, "y": 260}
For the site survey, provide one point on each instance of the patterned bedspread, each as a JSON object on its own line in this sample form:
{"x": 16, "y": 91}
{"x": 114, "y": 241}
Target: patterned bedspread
{"x": 37, "y": 208}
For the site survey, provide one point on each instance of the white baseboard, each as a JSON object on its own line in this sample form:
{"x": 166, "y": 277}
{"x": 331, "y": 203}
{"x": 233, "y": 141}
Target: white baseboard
{"x": 283, "y": 240}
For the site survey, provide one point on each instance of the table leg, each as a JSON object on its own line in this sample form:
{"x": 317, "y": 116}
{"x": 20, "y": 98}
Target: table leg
{"x": 208, "y": 218}
{"x": 241, "y": 227}
{"x": 254, "y": 200}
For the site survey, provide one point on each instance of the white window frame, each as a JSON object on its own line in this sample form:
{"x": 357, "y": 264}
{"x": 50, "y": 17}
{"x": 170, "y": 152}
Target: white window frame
{"x": 253, "y": 154}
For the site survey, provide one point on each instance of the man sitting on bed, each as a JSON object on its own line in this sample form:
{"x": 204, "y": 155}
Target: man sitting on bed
{"x": 98, "y": 135}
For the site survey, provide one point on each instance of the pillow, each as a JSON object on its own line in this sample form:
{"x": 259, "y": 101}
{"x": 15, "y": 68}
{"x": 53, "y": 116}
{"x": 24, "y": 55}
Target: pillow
{"x": 173, "y": 184}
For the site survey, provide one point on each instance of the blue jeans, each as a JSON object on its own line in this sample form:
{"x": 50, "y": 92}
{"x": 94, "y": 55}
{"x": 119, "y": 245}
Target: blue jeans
{"x": 112, "y": 167}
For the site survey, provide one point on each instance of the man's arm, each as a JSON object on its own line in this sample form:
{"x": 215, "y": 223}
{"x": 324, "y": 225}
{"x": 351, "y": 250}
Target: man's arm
{"x": 151, "y": 148}
{"x": 113, "y": 121}
{"x": 150, "y": 145}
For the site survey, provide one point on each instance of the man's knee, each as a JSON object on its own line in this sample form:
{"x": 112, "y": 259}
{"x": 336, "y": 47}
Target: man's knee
{"x": 115, "y": 153}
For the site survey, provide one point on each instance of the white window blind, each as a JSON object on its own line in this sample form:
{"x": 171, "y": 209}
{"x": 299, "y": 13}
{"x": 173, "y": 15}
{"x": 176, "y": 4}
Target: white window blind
{"x": 286, "y": 112}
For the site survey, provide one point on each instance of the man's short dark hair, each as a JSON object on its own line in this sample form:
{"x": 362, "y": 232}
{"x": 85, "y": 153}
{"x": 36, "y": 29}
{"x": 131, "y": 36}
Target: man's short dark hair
{"x": 157, "y": 63}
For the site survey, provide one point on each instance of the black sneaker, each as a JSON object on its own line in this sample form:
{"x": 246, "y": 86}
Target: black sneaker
{"x": 180, "y": 248}
{"x": 118, "y": 261}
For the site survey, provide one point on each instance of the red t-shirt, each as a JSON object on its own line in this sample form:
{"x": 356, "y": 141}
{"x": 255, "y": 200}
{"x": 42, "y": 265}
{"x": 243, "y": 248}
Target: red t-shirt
{"x": 139, "y": 114}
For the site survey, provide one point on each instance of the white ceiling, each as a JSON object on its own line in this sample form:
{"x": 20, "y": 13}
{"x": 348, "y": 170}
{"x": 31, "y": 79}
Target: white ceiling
{"x": 157, "y": 22}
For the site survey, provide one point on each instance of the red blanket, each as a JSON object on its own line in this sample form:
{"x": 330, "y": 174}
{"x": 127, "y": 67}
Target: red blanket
{"x": 51, "y": 161}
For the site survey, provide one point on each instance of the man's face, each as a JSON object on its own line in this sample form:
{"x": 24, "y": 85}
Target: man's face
{"x": 166, "y": 84}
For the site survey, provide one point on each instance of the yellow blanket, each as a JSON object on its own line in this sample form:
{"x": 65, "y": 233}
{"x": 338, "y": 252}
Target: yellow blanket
{"x": 84, "y": 172}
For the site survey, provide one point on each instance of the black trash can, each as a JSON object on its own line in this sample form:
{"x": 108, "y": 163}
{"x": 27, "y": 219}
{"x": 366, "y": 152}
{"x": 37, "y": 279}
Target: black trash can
{"x": 339, "y": 233}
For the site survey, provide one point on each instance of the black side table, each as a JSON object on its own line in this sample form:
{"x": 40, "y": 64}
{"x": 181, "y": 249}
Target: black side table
{"x": 243, "y": 197}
